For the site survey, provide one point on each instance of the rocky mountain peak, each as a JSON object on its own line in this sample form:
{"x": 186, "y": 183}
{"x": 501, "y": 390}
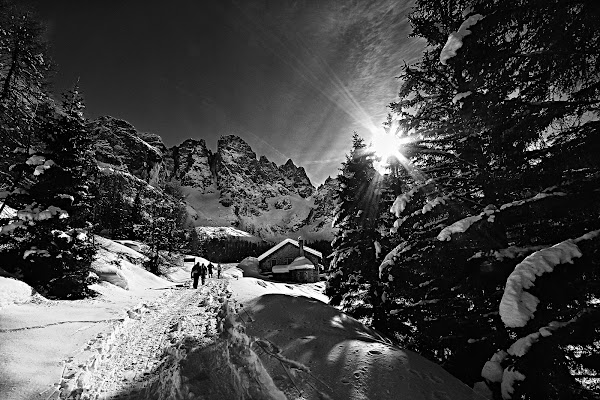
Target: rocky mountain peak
{"x": 118, "y": 143}
{"x": 192, "y": 165}
{"x": 297, "y": 178}
{"x": 234, "y": 144}
{"x": 254, "y": 194}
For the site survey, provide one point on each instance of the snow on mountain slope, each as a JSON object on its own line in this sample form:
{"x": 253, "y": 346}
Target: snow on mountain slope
{"x": 221, "y": 232}
{"x": 206, "y": 210}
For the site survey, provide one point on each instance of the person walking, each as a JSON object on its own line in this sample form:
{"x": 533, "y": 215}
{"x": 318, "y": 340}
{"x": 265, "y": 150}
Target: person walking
{"x": 210, "y": 269}
{"x": 219, "y": 271}
{"x": 196, "y": 269}
{"x": 203, "y": 273}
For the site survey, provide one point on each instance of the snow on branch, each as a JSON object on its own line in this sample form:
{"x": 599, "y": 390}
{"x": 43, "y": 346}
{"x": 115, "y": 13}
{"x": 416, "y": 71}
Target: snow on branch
{"x": 8, "y": 212}
{"x": 43, "y": 167}
{"x": 465, "y": 223}
{"x": 431, "y": 204}
{"x": 493, "y": 371}
{"x": 35, "y": 250}
{"x": 455, "y": 40}
{"x": 509, "y": 376}
{"x": 35, "y": 214}
{"x": 35, "y": 160}
{"x": 7, "y": 229}
{"x": 401, "y": 202}
{"x": 390, "y": 258}
{"x": 517, "y": 306}
{"x": 458, "y": 97}
{"x": 537, "y": 197}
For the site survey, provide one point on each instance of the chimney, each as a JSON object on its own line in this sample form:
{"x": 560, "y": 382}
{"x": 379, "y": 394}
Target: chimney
{"x": 301, "y": 245}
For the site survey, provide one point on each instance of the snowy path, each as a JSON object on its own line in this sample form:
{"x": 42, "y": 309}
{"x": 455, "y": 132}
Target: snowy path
{"x": 130, "y": 359}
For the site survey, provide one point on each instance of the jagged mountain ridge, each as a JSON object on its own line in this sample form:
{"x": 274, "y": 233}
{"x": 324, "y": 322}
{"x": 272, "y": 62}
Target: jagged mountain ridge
{"x": 228, "y": 187}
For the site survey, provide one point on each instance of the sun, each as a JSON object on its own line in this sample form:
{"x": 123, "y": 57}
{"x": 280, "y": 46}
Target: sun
{"x": 386, "y": 145}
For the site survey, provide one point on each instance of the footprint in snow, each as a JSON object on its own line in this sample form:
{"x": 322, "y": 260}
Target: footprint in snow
{"x": 439, "y": 395}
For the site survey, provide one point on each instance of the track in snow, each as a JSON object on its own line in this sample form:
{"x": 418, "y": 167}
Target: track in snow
{"x": 127, "y": 361}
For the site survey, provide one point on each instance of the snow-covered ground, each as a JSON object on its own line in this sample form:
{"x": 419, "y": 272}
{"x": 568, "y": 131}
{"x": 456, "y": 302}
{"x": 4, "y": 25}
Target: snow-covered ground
{"x": 160, "y": 339}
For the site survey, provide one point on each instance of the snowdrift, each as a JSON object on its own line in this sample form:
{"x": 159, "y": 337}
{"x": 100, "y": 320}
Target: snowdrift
{"x": 13, "y": 291}
{"x": 117, "y": 264}
{"x": 336, "y": 356}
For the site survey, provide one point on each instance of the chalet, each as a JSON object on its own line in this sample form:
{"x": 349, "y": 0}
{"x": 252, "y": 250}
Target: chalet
{"x": 291, "y": 260}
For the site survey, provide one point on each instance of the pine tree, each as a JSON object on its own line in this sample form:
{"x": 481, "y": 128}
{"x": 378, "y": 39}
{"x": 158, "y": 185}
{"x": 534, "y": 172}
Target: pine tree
{"x": 194, "y": 242}
{"x": 504, "y": 133}
{"x": 24, "y": 63}
{"x": 354, "y": 263}
{"x": 24, "y": 67}
{"x": 48, "y": 240}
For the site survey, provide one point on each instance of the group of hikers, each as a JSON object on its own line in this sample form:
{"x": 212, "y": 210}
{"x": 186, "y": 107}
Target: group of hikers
{"x": 201, "y": 271}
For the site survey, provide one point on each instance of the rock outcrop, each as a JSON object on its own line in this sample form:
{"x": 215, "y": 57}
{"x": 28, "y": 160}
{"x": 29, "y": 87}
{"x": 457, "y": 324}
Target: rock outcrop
{"x": 262, "y": 197}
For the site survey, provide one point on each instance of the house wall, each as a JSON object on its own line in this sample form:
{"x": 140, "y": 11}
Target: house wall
{"x": 305, "y": 275}
{"x": 282, "y": 256}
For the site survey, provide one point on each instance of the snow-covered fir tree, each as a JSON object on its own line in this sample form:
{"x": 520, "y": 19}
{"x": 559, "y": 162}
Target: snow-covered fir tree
{"x": 47, "y": 241}
{"x": 501, "y": 118}
{"x": 354, "y": 268}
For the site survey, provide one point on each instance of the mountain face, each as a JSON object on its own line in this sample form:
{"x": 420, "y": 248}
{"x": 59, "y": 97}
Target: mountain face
{"x": 117, "y": 143}
{"x": 191, "y": 165}
{"x": 230, "y": 187}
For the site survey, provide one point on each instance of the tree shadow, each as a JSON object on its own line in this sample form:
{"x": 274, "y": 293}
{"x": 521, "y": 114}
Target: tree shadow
{"x": 347, "y": 359}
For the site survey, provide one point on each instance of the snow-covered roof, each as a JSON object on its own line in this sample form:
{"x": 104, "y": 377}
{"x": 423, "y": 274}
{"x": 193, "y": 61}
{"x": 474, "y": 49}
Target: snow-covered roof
{"x": 283, "y": 243}
{"x": 298, "y": 263}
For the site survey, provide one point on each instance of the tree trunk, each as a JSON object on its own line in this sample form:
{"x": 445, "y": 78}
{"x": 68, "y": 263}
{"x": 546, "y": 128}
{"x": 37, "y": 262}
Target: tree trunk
{"x": 11, "y": 71}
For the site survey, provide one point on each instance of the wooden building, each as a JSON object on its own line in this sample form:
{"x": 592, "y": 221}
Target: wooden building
{"x": 291, "y": 260}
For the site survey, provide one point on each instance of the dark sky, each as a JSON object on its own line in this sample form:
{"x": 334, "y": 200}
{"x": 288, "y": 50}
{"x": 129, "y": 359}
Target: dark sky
{"x": 294, "y": 78}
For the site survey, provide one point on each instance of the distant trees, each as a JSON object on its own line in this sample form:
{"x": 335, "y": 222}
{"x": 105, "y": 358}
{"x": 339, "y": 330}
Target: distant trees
{"x": 231, "y": 249}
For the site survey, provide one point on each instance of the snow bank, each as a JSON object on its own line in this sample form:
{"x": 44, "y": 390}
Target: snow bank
{"x": 455, "y": 40}
{"x": 517, "y": 306}
{"x": 330, "y": 355}
{"x": 13, "y": 291}
{"x": 249, "y": 266}
{"x": 114, "y": 263}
